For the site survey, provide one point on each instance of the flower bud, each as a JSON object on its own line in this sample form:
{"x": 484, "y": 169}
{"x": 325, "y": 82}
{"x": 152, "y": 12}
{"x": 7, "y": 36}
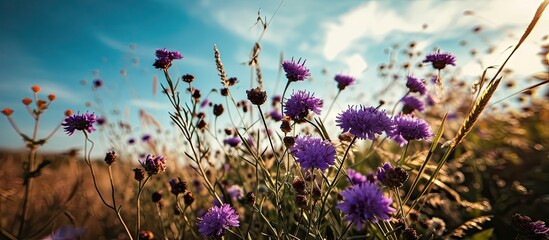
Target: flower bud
{"x": 7, "y": 111}
{"x": 35, "y": 89}
{"x": 26, "y": 101}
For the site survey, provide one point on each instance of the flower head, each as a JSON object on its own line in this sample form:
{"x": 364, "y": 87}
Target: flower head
{"x": 410, "y": 128}
{"x": 391, "y": 176}
{"x": 300, "y": 104}
{"x": 164, "y": 58}
{"x": 416, "y": 85}
{"x": 440, "y": 60}
{"x": 530, "y": 229}
{"x": 232, "y": 141}
{"x": 154, "y": 165}
{"x": 275, "y": 115}
{"x": 313, "y": 152}
{"x": 343, "y": 81}
{"x": 355, "y": 177}
{"x": 411, "y": 104}
{"x": 7, "y": 111}
{"x": 217, "y": 219}
{"x": 295, "y": 71}
{"x": 364, "y": 122}
{"x": 235, "y": 192}
{"x": 82, "y": 122}
{"x": 177, "y": 186}
{"x": 364, "y": 202}
{"x": 256, "y": 96}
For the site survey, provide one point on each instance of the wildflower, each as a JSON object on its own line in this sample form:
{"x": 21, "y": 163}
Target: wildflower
{"x": 250, "y": 198}
{"x": 299, "y": 186}
{"x": 201, "y": 124}
{"x": 440, "y": 60}
{"x": 139, "y": 174}
{"x": 232, "y": 141}
{"x": 146, "y": 138}
{"x": 66, "y": 232}
{"x": 289, "y": 141}
{"x": 364, "y": 122}
{"x": 35, "y": 89}
{"x": 313, "y": 153}
{"x": 276, "y": 100}
{"x": 409, "y": 234}
{"x": 391, "y": 177}
{"x": 68, "y": 113}
{"x": 26, "y": 101}
{"x": 188, "y": 78}
{"x": 316, "y": 193}
{"x": 530, "y": 229}
{"x": 232, "y": 81}
{"x": 204, "y": 103}
{"x": 416, "y": 85}
{"x": 154, "y": 165}
{"x": 217, "y": 219}
{"x": 235, "y": 192}
{"x": 275, "y": 115}
{"x": 286, "y": 125}
{"x": 82, "y": 122}
{"x": 177, "y": 186}
{"x": 224, "y": 92}
{"x": 355, "y": 177}
{"x": 156, "y": 196}
{"x": 409, "y": 128}
{"x": 256, "y": 96}
{"x": 295, "y": 71}
{"x": 7, "y": 111}
{"x": 343, "y": 81}
{"x": 301, "y": 201}
{"x": 51, "y": 97}
{"x": 411, "y": 104}
{"x": 110, "y": 157}
{"x": 300, "y": 103}
{"x": 188, "y": 198}
{"x": 164, "y": 58}
{"x": 218, "y": 109}
{"x": 365, "y": 202}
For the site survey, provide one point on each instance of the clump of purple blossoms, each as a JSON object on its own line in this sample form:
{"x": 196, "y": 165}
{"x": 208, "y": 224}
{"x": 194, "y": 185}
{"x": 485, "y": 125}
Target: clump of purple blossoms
{"x": 275, "y": 115}
{"x": 440, "y": 60}
{"x": 343, "y": 81}
{"x": 410, "y": 128}
{"x": 364, "y": 122}
{"x": 80, "y": 122}
{"x": 412, "y": 104}
{"x": 164, "y": 58}
{"x": 216, "y": 220}
{"x": 154, "y": 165}
{"x": 391, "y": 176}
{"x": 530, "y": 229}
{"x": 232, "y": 141}
{"x": 295, "y": 71}
{"x": 355, "y": 177}
{"x": 300, "y": 104}
{"x": 313, "y": 152}
{"x": 416, "y": 85}
{"x": 235, "y": 192}
{"x": 365, "y": 202}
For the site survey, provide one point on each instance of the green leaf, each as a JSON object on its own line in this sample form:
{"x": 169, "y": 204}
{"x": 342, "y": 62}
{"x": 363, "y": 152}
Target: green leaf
{"x": 486, "y": 234}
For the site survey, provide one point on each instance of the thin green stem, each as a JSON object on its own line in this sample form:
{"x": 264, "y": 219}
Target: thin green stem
{"x": 331, "y": 105}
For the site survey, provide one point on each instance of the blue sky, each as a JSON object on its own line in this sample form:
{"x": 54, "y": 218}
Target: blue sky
{"x": 59, "y": 45}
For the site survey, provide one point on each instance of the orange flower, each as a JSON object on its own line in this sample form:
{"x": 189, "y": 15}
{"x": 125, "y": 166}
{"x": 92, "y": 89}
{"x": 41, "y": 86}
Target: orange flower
{"x": 26, "y": 101}
{"x": 35, "y": 89}
{"x": 68, "y": 112}
{"x": 51, "y": 97}
{"x": 41, "y": 104}
{"x": 7, "y": 111}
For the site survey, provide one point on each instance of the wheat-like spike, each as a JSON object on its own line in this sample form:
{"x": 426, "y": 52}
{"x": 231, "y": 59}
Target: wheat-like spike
{"x": 475, "y": 112}
{"x": 219, "y": 65}
{"x": 473, "y": 223}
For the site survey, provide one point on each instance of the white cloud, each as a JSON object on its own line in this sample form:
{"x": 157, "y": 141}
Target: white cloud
{"x": 356, "y": 65}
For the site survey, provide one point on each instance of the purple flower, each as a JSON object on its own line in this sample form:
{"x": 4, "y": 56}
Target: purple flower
{"x": 275, "y": 115}
{"x": 364, "y": 122}
{"x": 81, "y": 122}
{"x": 235, "y": 192}
{"x": 164, "y": 58}
{"x": 300, "y": 103}
{"x": 410, "y": 128}
{"x": 364, "y": 202}
{"x": 530, "y": 229}
{"x": 217, "y": 219}
{"x": 416, "y": 85}
{"x": 295, "y": 71}
{"x": 66, "y": 232}
{"x": 313, "y": 152}
{"x": 343, "y": 81}
{"x": 178, "y": 186}
{"x": 391, "y": 177}
{"x": 411, "y": 104}
{"x": 355, "y": 177}
{"x": 232, "y": 141}
{"x": 154, "y": 165}
{"x": 204, "y": 103}
{"x": 101, "y": 121}
{"x": 440, "y": 60}
{"x": 146, "y": 138}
